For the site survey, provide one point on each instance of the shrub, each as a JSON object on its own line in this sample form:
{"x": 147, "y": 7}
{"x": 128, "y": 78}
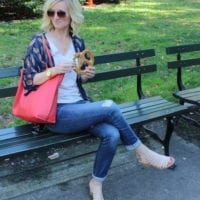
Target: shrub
{"x": 106, "y": 1}
{"x": 20, "y": 9}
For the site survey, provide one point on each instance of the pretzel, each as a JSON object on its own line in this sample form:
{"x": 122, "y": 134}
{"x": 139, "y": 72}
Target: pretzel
{"x": 85, "y": 57}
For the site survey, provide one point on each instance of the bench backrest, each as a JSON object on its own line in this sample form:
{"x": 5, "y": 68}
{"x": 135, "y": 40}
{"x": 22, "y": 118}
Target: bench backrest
{"x": 137, "y": 69}
{"x": 179, "y": 63}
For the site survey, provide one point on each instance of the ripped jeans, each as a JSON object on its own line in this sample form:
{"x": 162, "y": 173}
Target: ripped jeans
{"x": 102, "y": 119}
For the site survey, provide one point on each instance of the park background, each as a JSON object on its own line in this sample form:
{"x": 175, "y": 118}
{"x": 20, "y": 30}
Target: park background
{"x": 110, "y": 28}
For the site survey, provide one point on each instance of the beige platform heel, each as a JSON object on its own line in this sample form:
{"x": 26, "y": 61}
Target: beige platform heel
{"x": 95, "y": 188}
{"x": 150, "y": 158}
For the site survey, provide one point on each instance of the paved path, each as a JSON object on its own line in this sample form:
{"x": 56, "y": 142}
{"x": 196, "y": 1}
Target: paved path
{"x": 127, "y": 180}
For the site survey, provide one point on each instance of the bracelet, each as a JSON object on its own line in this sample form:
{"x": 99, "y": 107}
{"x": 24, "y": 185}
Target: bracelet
{"x": 48, "y": 73}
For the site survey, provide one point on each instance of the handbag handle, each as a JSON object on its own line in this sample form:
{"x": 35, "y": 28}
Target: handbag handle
{"x": 44, "y": 41}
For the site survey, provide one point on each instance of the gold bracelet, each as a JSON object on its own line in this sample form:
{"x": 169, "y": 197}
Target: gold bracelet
{"x": 48, "y": 73}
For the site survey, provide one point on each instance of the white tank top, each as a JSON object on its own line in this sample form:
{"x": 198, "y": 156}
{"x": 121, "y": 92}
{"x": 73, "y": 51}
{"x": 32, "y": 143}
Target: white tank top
{"x": 68, "y": 91}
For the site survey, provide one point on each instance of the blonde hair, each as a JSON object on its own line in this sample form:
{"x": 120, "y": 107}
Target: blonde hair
{"x": 75, "y": 12}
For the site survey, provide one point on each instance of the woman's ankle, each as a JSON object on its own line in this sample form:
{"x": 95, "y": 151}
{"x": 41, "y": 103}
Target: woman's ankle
{"x": 95, "y": 182}
{"x": 95, "y": 187}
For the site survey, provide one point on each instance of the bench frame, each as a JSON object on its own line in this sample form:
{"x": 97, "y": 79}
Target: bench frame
{"x": 185, "y": 95}
{"x": 138, "y": 113}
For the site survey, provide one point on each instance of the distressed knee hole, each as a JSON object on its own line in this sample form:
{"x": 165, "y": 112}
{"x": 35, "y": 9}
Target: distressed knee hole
{"x": 107, "y": 103}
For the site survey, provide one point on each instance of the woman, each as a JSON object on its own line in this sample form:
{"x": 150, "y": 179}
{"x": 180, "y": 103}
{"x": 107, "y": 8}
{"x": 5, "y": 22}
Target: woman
{"x": 61, "y": 22}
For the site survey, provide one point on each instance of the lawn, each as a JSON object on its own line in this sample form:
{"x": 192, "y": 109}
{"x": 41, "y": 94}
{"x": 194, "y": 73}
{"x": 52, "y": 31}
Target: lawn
{"x": 115, "y": 28}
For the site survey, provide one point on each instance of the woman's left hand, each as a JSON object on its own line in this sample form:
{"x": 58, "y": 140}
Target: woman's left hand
{"x": 89, "y": 73}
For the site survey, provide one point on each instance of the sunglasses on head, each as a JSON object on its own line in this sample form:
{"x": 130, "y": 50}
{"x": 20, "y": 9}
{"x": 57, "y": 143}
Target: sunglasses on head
{"x": 60, "y": 13}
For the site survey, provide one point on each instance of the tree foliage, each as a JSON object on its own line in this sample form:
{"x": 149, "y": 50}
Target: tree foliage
{"x": 20, "y": 9}
{"x": 27, "y": 9}
{"x": 106, "y": 1}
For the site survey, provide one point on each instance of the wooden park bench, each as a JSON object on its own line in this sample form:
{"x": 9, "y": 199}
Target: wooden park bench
{"x": 180, "y": 62}
{"x": 138, "y": 113}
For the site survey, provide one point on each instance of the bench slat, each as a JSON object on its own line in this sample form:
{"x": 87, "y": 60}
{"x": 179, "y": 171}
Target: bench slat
{"x": 147, "y": 102}
{"x": 8, "y": 92}
{"x": 24, "y": 138}
{"x": 19, "y": 129}
{"x": 184, "y": 63}
{"x": 189, "y": 98}
{"x": 101, "y": 59}
{"x": 11, "y": 91}
{"x": 183, "y": 48}
{"x": 38, "y": 144}
{"x": 145, "y": 109}
{"x": 124, "y": 56}
{"x": 192, "y": 90}
{"x": 123, "y": 72}
{"x": 148, "y": 109}
{"x": 189, "y": 95}
{"x": 9, "y": 72}
{"x": 171, "y": 111}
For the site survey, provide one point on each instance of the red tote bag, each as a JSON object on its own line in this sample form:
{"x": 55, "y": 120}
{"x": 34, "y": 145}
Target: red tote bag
{"x": 39, "y": 106}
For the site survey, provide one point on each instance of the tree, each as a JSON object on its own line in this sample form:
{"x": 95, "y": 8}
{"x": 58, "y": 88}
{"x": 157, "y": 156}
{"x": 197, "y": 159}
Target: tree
{"x": 20, "y": 9}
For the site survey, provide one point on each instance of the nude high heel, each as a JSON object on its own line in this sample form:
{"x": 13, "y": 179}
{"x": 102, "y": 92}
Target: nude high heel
{"x": 95, "y": 188}
{"x": 150, "y": 158}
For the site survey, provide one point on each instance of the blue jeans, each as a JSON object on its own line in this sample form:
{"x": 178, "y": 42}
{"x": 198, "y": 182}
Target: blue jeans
{"x": 102, "y": 119}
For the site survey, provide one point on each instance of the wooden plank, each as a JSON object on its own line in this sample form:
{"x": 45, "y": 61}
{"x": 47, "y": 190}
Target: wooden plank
{"x": 9, "y": 72}
{"x": 14, "y": 71}
{"x": 124, "y": 56}
{"x": 8, "y": 92}
{"x": 38, "y": 144}
{"x": 189, "y": 95}
{"x": 142, "y": 101}
{"x": 123, "y": 73}
{"x": 183, "y": 63}
{"x": 17, "y": 129}
{"x": 191, "y": 90}
{"x": 25, "y": 138}
{"x": 183, "y": 48}
{"x": 10, "y": 135}
{"x": 11, "y": 91}
{"x": 171, "y": 111}
{"x": 193, "y": 96}
{"x": 195, "y": 100}
{"x": 148, "y": 110}
{"x": 193, "y": 93}
{"x": 148, "y": 102}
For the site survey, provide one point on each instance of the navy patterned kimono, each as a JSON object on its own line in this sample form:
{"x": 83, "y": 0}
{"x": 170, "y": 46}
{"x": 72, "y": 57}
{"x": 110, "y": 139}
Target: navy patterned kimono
{"x": 37, "y": 59}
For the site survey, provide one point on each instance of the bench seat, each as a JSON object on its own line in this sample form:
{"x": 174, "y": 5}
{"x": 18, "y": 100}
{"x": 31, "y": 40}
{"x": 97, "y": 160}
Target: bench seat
{"x": 189, "y": 95}
{"x": 21, "y": 139}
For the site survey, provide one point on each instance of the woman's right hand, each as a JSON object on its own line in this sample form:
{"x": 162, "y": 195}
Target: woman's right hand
{"x": 62, "y": 68}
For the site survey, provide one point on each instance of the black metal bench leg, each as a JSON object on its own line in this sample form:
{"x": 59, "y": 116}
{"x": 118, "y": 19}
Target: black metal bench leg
{"x": 169, "y": 131}
{"x": 166, "y": 141}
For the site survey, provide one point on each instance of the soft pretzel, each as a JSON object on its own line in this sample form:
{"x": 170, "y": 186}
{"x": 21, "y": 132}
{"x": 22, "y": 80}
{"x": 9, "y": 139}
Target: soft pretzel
{"x": 85, "y": 57}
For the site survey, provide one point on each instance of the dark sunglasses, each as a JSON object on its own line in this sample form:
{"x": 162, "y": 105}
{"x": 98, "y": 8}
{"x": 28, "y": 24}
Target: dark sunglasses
{"x": 60, "y": 13}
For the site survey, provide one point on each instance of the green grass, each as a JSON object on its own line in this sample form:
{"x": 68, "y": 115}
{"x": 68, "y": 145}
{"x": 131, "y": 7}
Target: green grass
{"x": 117, "y": 28}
